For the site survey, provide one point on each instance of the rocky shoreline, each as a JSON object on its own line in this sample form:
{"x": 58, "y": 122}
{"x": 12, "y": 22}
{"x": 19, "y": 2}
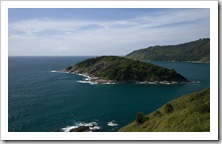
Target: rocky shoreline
{"x": 82, "y": 127}
{"x": 97, "y": 80}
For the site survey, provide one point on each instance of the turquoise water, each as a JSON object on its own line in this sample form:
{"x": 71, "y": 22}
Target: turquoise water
{"x": 44, "y": 101}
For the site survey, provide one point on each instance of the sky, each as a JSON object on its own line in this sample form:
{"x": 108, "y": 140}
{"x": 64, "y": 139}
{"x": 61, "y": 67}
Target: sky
{"x": 98, "y": 31}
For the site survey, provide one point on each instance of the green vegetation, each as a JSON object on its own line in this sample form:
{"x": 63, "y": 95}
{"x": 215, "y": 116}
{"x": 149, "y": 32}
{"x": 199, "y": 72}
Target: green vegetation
{"x": 140, "y": 118}
{"x": 123, "y": 69}
{"x": 192, "y": 51}
{"x": 168, "y": 108}
{"x": 189, "y": 113}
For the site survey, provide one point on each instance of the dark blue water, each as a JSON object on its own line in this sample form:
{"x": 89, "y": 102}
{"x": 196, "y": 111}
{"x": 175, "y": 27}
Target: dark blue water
{"x": 43, "y": 101}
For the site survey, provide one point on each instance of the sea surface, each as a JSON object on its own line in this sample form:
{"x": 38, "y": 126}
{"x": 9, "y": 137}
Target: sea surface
{"x": 42, "y": 100}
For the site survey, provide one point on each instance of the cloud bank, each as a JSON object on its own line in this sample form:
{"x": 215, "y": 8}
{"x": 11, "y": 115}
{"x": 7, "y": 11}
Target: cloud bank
{"x": 56, "y": 36}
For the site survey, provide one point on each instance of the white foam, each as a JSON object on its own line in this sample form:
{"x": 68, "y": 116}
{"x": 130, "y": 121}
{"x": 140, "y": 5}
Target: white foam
{"x": 89, "y": 82}
{"x": 92, "y": 126}
{"x": 112, "y": 123}
{"x": 152, "y": 82}
{"x": 81, "y": 74}
{"x": 108, "y": 83}
{"x": 92, "y": 80}
{"x": 148, "y": 82}
{"x": 84, "y": 75}
{"x": 93, "y": 83}
{"x": 88, "y": 124}
{"x": 88, "y": 78}
{"x": 195, "y": 82}
{"x": 55, "y": 71}
{"x": 80, "y": 81}
{"x": 68, "y": 128}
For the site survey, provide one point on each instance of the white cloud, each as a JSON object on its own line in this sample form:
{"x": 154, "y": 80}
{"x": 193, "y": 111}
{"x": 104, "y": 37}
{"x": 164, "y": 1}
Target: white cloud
{"x": 62, "y": 48}
{"x": 45, "y": 36}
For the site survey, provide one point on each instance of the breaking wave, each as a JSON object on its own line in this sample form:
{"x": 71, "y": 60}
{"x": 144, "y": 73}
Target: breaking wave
{"x": 195, "y": 82}
{"x": 82, "y": 127}
{"x": 89, "y": 82}
{"x": 112, "y": 123}
{"x": 55, "y": 71}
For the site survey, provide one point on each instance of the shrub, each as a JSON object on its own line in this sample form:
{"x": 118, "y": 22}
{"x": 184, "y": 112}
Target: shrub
{"x": 69, "y": 68}
{"x": 157, "y": 114}
{"x": 145, "y": 119}
{"x": 205, "y": 108}
{"x": 139, "y": 118}
{"x": 168, "y": 108}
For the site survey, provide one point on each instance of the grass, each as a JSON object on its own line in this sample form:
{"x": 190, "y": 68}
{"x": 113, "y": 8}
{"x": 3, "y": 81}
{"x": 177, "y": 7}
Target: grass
{"x": 191, "y": 113}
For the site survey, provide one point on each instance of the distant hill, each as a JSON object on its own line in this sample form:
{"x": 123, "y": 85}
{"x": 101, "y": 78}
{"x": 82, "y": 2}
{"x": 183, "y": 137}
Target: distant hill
{"x": 198, "y": 51}
{"x": 189, "y": 113}
{"x": 119, "y": 69}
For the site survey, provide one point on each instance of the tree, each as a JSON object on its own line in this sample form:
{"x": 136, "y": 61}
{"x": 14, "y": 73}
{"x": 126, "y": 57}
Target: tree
{"x": 139, "y": 118}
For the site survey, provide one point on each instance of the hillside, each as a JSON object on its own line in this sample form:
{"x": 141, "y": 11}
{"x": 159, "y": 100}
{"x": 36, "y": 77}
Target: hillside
{"x": 198, "y": 51}
{"x": 120, "y": 69}
{"x": 189, "y": 113}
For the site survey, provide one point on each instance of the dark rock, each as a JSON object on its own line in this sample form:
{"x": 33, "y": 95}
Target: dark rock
{"x": 81, "y": 129}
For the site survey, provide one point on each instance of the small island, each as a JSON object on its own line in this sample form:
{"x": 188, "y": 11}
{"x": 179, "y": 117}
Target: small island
{"x": 115, "y": 69}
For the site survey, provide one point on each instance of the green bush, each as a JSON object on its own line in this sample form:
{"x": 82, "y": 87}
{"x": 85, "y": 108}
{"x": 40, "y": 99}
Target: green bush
{"x": 168, "y": 108}
{"x": 145, "y": 118}
{"x": 139, "y": 118}
{"x": 69, "y": 68}
{"x": 157, "y": 114}
{"x": 205, "y": 108}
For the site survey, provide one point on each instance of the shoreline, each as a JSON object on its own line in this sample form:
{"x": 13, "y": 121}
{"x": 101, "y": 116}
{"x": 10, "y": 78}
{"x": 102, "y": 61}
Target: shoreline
{"x": 96, "y": 80}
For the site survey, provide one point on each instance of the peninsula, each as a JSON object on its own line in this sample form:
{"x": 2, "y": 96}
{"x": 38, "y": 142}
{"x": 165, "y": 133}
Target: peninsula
{"x": 114, "y": 69}
{"x": 195, "y": 51}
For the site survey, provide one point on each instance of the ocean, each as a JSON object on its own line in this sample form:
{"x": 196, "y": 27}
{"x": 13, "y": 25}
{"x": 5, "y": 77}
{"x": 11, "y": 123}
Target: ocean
{"x": 42, "y": 100}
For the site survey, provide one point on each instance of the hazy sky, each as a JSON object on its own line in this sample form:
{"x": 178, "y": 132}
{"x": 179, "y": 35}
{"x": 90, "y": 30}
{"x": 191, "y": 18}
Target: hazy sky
{"x": 48, "y": 32}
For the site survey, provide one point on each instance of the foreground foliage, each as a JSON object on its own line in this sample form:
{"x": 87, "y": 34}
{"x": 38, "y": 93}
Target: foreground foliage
{"x": 189, "y": 113}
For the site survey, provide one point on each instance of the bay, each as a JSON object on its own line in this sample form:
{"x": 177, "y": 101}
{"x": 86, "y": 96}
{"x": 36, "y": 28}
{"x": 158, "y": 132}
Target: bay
{"x": 41, "y": 100}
